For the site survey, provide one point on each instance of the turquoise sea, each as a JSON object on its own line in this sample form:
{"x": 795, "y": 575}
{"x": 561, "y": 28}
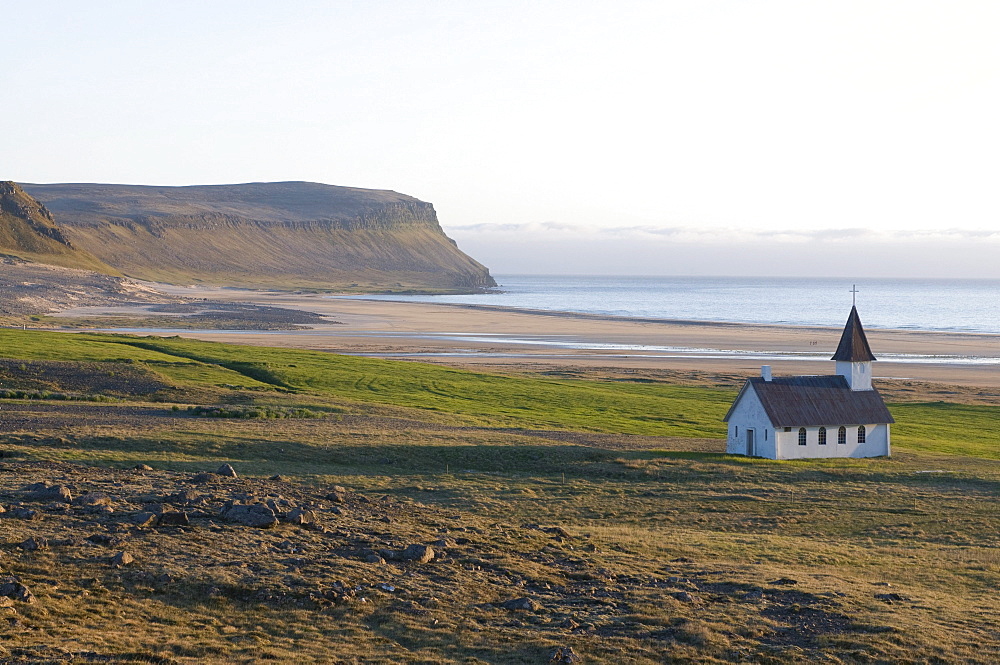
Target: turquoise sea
{"x": 952, "y": 305}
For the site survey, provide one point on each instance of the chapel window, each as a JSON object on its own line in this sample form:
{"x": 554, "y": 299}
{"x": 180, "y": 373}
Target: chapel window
{"x": 802, "y": 436}
{"x": 822, "y": 436}
{"x": 861, "y": 433}
{"x": 842, "y": 435}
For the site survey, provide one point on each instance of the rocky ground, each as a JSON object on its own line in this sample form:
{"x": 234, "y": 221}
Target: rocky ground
{"x": 237, "y": 558}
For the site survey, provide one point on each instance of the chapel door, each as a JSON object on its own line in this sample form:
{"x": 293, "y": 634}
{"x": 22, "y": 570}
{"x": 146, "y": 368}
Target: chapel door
{"x": 750, "y": 450}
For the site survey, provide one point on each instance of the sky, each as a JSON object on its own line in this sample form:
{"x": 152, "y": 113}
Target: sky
{"x": 841, "y": 138}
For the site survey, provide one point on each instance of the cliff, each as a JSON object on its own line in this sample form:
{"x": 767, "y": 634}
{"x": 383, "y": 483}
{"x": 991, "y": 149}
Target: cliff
{"x": 29, "y": 232}
{"x": 283, "y": 234}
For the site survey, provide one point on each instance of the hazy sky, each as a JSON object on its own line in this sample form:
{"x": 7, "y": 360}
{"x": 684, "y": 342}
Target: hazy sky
{"x": 828, "y": 138}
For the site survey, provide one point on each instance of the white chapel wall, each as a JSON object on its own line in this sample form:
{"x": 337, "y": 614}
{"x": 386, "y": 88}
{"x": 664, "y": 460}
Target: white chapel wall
{"x": 876, "y": 442}
{"x": 749, "y": 414}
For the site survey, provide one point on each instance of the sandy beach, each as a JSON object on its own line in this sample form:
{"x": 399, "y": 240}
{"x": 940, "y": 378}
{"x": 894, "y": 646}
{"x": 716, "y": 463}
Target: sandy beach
{"x": 469, "y": 335}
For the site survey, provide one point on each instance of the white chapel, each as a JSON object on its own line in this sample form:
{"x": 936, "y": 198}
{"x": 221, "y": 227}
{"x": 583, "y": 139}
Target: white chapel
{"x": 796, "y": 417}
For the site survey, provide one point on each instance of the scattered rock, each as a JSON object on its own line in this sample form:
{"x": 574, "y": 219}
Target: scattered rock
{"x": 785, "y": 581}
{"x": 185, "y": 497}
{"x": 374, "y": 558}
{"x": 121, "y": 559}
{"x": 34, "y": 544}
{"x": 336, "y": 497}
{"x": 890, "y": 598}
{"x": 255, "y": 514}
{"x": 300, "y": 516}
{"x": 418, "y": 553}
{"x": 144, "y": 519}
{"x": 173, "y": 518}
{"x": 683, "y": 596}
{"x": 521, "y": 604}
{"x": 202, "y": 478}
{"x": 46, "y": 492}
{"x": 564, "y": 656}
{"x": 22, "y": 513}
{"x": 11, "y": 587}
{"x": 227, "y": 470}
{"x": 92, "y": 500}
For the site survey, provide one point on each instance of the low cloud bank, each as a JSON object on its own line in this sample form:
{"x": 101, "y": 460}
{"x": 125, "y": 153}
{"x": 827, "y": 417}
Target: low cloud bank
{"x": 550, "y": 248}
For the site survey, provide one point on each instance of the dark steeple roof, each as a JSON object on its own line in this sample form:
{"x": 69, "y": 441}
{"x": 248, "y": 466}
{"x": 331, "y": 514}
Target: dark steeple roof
{"x": 853, "y": 346}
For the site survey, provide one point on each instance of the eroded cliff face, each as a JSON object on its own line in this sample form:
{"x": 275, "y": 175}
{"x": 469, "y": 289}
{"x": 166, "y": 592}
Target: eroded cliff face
{"x": 28, "y": 231}
{"x": 279, "y": 235}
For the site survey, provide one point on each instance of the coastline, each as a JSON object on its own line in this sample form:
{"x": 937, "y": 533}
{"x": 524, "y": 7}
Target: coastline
{"x": 473, "y": 335}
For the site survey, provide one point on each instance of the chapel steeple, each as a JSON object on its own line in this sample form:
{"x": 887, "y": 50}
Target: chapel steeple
{"x": 853, "y": 343}
{"x": 854, "y": 357}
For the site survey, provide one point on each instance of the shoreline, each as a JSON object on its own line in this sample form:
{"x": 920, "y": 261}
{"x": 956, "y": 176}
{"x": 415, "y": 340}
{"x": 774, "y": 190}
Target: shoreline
{"x": 668, "y": 321}
{"x": 484, "y": 336}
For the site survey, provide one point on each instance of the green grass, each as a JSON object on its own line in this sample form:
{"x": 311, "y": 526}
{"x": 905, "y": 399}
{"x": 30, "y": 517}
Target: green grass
{"x": 942, "y": 427}
{"x": 472, "y": 398}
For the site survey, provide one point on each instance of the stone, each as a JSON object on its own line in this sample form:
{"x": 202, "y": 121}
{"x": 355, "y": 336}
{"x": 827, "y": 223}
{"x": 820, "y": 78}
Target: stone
{"x": 185, "y": 497}
{"x": 227, "y": 470}
{"x": 300, "y": 516}
{"x": 121, "y": 559}
{"x": 564, "y": 656}
{"x": 145, "y": 519}
{"x": 33, "y": 544}
{"x": 255, "y": 515}
{"x": 683, "y": 596}
{"x": 336, "y": 497}
{"x": 173, "y": 518}
{"x": 22, "y": 513}
{"x": 785, "y": 581}
{"x": 92, "y": 500}
{"x": 202, "y": 478}
{"x": 46, "y": 492}
{"x": 11, "y": 587}
{"x": 523, "y": 604}
{"x": 418, "y": 553}
{"x": 890, "y": 598}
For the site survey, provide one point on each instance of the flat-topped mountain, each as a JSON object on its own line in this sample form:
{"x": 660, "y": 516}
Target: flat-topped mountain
{"x": 281, "y": 234}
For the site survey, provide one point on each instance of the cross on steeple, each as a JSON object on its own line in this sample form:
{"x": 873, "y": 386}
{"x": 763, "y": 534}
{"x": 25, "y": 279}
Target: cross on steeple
{"x": 854, "y": 295}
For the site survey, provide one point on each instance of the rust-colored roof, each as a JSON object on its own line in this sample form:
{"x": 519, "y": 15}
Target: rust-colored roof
{"x": 813, "y": 401}
{"x": 853, "y": 345}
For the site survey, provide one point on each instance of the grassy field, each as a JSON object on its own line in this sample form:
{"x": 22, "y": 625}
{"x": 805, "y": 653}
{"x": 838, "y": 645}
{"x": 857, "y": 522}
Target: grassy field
{"x": 839, "y": 561}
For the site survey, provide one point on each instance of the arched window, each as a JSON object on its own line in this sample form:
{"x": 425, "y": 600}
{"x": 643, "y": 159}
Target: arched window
{"x": 842, "y": 435}
{"x": 822, "y": 436}
{"x": 861, "y": 433}
{"x": 802, "y": 436}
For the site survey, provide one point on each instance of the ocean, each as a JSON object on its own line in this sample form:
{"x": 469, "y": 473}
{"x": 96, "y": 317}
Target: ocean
{"x": 949, "y": 305}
